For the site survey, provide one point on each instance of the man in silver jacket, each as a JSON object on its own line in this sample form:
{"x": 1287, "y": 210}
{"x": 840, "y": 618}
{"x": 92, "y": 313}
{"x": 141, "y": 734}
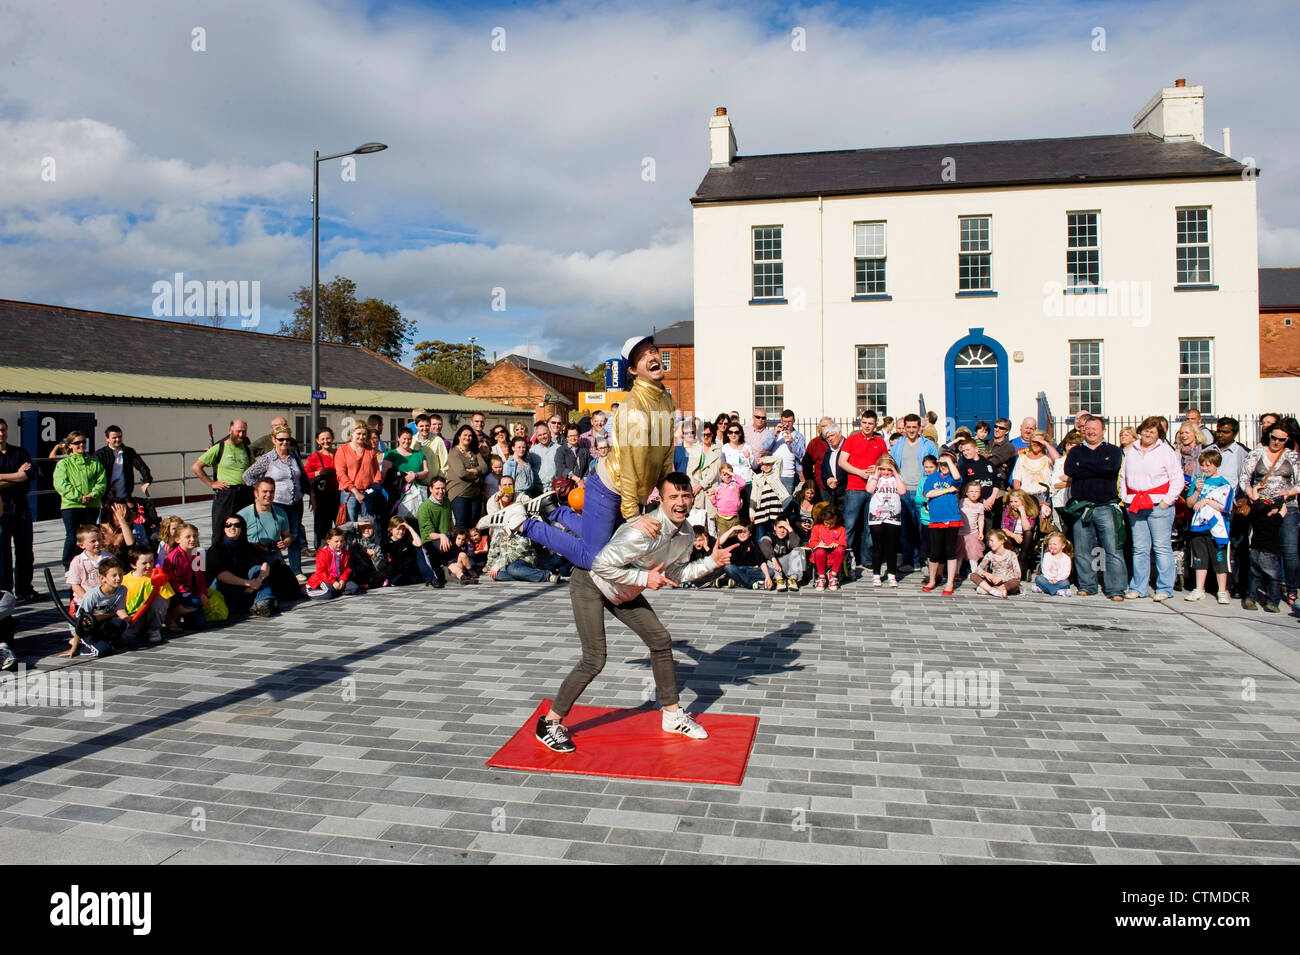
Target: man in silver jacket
{"x": 630, "y": 563}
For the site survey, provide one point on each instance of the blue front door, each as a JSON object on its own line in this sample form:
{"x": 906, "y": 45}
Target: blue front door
{"x": 976, "y": 395}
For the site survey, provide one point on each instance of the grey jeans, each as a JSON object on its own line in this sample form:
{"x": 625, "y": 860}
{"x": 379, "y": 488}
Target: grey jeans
{"x": 589, "y": 606}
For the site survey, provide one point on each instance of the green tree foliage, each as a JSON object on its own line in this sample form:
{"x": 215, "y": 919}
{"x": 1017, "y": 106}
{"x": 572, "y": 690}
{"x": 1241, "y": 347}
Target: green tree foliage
{"x": 371, "y": 322}
{"x": 597, "y": 376}
{"x": 448, "y": 363}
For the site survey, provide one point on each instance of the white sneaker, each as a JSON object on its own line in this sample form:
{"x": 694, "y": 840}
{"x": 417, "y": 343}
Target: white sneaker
{"x": 877, "y": 581}
{"x": 1223, "y": 598}
{"x": 679, "y": 721}
{"x": 508, "y": 518}
{"x": 541, "y": 505}
{"x": 1197, "y": 594}
{"x": 1133, "y": 595}
{"x": 892, "y": 580}
{"x": 7, "y": 659}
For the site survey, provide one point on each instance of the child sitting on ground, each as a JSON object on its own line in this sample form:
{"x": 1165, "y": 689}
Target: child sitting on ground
{"x": 826, "y": 546}
{"x": 402, "y": 556}
{"x": 102, "y": 618}
{"x": 1020, "y": 521}
{"x": 789, "y": 559}
{"x": 190, "y": 583}
{"x": 458, "y": 561}
{"x": 83, "y": 572}
{"x": 998, "y": 572}
{"x": 366, "y": 552}
{"x": 478, "y": 548}
{"x": 747, "y": 567}
{"x": 1210, "y": 498}
{"x": 1055, "y": 578}
{"x": 147, "y": 596}
{"x": 168, "y": 530}
{"x": 333, "y": 575}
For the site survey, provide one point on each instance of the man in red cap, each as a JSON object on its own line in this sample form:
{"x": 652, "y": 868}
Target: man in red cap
{"x": 640, "y": 456}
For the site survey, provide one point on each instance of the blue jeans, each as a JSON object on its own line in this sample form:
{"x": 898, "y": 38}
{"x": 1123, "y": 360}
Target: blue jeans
{"x": 745, "y": 576}
{"x": 914, "y": 547}
{"x": 1048, "y": 587}
{"x": 193, "y": 615}
{"x": 465, "y": 511}
{"x": 329, "y": 593}
{"x": 74, "y": 517}
{"x": 1152, "y": 529}
{"x": 1265, "y": 569}
{"x": 362, "y": 508}
{"x": 295, "y": 535}
{"x": 521, "y": 570}
{"x": 594, "y": 526}
{"x": 1291, "y": 546}
{"x": 789, "y": 482}
{"x": 1099, "y": 533}
{"x": 856, "y": 505}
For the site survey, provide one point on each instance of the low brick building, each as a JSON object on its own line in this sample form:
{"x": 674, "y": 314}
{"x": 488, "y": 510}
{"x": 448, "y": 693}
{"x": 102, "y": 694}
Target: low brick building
{"x": 677, "y": 352}
{"x": 540, "y": 387}
{"x": 1279, "y": 323}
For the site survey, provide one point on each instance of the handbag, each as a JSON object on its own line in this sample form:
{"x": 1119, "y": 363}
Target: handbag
{"x": 217, "y": 609}
{"x": 562, "y": 486}
{"x": 408, "y": 505}
{"x": 1242, "y": 507}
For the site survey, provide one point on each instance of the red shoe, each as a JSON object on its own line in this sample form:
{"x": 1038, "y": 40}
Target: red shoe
{"x": 928, "y": 587}
{"x": 947, "y": 592}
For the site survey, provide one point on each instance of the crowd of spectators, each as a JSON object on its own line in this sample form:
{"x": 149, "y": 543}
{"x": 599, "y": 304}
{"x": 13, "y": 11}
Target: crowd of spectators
{"x": 1185, "y": 508}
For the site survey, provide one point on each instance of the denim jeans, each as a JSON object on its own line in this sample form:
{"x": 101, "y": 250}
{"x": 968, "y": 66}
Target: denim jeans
{"x": 1152, "y": 529}
{"x": 1047, "y": 587}
{"x": 744, "y": 576}
{"x": 1265, "y": 570}
{"x": 856, "y": 505}
{"x": 296, "y": 538}
{"x": 327, "y": 591}
{"x": 594, "y": 526}
{"x": 914, "y": 548}
{"x": 789, "y": 482}
{"x": 1291, "y": 545}
{"x": 74, "y": 517}
{"x": 362, "y": 508}
{"x": 521, "y": 570}
{"x": 1099, "y": 533}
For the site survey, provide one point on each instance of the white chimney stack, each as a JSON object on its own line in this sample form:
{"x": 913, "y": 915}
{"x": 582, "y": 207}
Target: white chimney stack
{"x": 1175, "y": 114}
{"x": 1227, "y": 141}
{"x": 722, "y": 141}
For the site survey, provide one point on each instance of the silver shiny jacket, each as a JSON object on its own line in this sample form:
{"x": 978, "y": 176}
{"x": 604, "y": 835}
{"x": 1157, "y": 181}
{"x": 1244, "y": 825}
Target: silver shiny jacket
{"x": 622, "y": 568}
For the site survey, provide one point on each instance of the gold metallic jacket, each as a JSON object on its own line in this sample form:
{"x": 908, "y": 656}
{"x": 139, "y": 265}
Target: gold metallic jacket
{"x": 641, "y": 446}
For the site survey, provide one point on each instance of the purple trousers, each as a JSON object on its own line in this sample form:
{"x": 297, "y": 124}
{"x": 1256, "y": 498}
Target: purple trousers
{"x": 593, "y": 527}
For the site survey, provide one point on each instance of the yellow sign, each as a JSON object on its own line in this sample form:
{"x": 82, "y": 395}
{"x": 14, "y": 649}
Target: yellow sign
{"x": 592, "y": 401}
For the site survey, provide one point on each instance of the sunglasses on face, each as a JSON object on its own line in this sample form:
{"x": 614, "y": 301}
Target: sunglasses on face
{"x": 1277, "y": 437}
{"x": 230, "y": 524}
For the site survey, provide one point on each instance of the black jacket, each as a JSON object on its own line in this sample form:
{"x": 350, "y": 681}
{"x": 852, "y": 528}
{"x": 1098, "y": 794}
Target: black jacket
{"x": 131, "y": 462}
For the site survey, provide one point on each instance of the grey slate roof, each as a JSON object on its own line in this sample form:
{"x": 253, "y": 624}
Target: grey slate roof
{"x": 678, "y": 333}
{"x": 1079, "y": 159}
{"x": 50, "y": 336}
{"x": 549, "y": 367}
{"x": 1279, "y": 288}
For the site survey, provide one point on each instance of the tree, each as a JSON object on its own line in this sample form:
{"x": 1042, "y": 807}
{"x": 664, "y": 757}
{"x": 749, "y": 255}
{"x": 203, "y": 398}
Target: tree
{"x": 371, "y": 323}
{"x": 448, "y": 363}
{"x": 597, "y": 376}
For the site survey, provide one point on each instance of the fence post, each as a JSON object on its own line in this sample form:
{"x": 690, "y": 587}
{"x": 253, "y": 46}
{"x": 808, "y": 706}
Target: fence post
{"x": 182, "y": 454}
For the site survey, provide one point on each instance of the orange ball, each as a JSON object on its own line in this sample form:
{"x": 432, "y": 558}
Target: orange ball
{"x": 575, "y": 499}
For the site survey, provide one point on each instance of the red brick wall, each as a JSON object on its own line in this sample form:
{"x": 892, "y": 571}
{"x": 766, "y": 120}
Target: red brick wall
{"x": 680, "y": 379}
{"x": 508, "y": 384}
{"x": 1279, "y": 344}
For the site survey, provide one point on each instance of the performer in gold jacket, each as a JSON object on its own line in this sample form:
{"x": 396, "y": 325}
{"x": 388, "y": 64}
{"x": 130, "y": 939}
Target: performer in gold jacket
{"x": 640, "y": 456}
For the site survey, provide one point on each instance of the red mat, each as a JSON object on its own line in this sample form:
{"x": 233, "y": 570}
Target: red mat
{"x": 631, "y": 744}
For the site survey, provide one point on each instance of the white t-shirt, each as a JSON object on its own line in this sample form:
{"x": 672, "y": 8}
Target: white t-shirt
{"x": 785, "y": 459}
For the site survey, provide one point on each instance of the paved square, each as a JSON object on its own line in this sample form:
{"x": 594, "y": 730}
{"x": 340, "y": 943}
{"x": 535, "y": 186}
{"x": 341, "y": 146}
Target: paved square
{"x": 358, "y": 731}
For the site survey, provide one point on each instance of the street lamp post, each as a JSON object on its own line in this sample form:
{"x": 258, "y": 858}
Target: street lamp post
{"x": 473, "y": 340}
{"x": 317, "y": 159}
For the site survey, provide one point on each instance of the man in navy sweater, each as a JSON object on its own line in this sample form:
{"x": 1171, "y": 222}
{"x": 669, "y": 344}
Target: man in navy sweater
{"x": 1093, "y": 469}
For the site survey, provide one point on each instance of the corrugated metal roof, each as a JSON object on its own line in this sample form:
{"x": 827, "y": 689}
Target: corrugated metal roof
{"x": 116, "y": 386}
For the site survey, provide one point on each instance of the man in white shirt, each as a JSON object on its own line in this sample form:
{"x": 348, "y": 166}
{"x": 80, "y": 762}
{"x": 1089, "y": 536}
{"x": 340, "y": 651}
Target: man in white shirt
{"x": 120, "y": 464}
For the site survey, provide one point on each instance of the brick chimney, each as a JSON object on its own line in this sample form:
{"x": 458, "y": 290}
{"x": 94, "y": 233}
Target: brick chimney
{"x": 1175, "y": 114}
{"x": 722, "y": 141}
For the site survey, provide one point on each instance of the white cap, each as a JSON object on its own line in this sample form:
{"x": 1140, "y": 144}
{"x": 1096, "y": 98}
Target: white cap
{"x": 629, "y": 346}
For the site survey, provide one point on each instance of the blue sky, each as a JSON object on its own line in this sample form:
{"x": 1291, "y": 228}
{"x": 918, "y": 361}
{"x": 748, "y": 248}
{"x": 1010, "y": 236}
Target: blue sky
{"x": 521, "y": 168}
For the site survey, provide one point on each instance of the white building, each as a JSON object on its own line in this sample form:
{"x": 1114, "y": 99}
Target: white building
{"x": 1114, "y": 274}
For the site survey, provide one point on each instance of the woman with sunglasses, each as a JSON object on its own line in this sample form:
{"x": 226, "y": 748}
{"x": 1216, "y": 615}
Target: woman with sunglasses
{"x": 1272, "y": 473}
{"x": 282, "y": 466}
{"x": 81, "y": 482}
{"x": 239, "y": 572}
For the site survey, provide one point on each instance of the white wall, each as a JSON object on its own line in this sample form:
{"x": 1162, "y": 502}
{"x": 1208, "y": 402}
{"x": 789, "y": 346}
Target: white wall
{"x": 1028, "y": 233}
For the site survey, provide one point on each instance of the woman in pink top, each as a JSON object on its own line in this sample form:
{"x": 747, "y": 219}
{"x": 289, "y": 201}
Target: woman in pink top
{"x": 1151, "y": 480}
{"x": 357, "y": 467}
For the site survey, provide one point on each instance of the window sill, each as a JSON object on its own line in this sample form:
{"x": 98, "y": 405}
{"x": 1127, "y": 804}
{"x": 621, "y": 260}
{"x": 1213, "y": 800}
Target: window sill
{"x": 1085, "y": 290}
{"x": 1196, "y": 288}
{"x": 978, "y": 293}
{"x": 880, "y": 297}
{"x": 768, "y": 301}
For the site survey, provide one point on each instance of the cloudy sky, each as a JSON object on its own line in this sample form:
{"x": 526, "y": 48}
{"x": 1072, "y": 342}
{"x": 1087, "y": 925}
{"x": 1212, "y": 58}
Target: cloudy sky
{"x": 522, "y": 168}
